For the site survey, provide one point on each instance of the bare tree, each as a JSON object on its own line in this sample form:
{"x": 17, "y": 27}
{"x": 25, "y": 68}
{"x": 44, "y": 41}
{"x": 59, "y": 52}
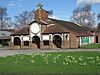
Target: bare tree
{"x": 4, "y": 19}
{"x": 98, "y": 27}
{"x": 50, "y": 13}
{"x": 98, "y": 16}
{"x": 84, "y": 16}
{"x": 23, "y": 19}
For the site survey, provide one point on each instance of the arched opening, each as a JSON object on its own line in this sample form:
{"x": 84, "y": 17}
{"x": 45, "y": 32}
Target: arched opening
{"x": 57, "y": 41}
{"x": 17, "y": 41}
{"x": 36, "y": 41}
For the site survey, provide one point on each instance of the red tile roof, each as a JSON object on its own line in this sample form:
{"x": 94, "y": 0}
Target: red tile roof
{"x": 54, "y": 29}
{"x": 23, "y": 31}
{"x": 65, "y": 26}
{"x": 58, "y": 26}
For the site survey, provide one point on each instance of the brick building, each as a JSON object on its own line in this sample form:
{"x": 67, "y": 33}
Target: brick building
{"x": 47, "y": 33}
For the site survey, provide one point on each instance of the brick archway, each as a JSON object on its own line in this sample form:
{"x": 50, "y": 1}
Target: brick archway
{"x": 36, "y": 41}
{"x": 57, "y": 41}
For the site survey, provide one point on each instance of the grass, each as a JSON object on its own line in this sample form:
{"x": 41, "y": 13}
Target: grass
{"x": 92, "y": 46}
{"x": 68, "y": 63}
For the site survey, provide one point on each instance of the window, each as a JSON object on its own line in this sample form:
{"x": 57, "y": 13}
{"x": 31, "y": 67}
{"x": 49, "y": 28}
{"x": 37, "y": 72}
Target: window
{"x": 26, "y": 43}
{"x": 66, "y": 37}
{"x": 46, "y": 42}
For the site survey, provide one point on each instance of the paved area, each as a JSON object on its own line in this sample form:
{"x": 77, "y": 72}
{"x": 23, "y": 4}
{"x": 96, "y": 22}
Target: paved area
{"x": 7, "y": 52}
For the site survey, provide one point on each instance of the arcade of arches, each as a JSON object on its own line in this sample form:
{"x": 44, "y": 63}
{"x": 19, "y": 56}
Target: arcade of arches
{"x": 54, "y": 41}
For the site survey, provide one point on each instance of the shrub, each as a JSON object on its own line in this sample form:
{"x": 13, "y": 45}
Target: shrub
{"x": 1, "y": 46}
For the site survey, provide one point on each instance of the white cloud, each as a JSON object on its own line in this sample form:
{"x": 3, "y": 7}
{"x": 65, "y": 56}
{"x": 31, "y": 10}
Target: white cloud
{"x": 15, "y": 3}
{"x": 88, "y": 1}
{"x": 54, "y": 17}
{"x": 12, "y": 4}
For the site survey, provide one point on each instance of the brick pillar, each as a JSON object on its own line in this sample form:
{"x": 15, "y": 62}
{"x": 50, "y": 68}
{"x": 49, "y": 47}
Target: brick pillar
{"x": 22, "y": 42}
{"x": 22, "y": 45}
{"x": 11, "y": 46}
{"x": 65, "y": 41}
{"x": 68, "y": 40}
{"x": 30, "y": 42}
{"x": 62, "y": 46}
{"x": 41, "y": 42}
{"x": 50, "y": 41}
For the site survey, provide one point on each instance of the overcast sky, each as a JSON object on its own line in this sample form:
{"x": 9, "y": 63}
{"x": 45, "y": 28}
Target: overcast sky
{"x": 61, "y": 8}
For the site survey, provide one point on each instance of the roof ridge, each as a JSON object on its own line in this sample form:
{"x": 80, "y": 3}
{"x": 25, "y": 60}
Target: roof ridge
{"x": 61, "y": 20}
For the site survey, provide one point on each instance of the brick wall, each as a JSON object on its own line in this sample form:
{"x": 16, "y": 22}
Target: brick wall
{"x": 40, "y": 15}
{"x": 73, "y": 41}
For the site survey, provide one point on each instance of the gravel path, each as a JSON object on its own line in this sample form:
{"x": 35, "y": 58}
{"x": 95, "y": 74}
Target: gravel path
{"x": 7, "y": 52}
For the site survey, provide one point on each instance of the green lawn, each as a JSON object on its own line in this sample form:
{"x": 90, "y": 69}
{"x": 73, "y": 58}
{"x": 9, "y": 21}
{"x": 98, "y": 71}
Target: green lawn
{"x": 68, "y": 63}
{"x": 92, "y": 46}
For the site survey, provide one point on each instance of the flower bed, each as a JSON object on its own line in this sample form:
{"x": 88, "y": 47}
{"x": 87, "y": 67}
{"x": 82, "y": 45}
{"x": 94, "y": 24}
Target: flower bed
{"x": 71, "y": 63}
